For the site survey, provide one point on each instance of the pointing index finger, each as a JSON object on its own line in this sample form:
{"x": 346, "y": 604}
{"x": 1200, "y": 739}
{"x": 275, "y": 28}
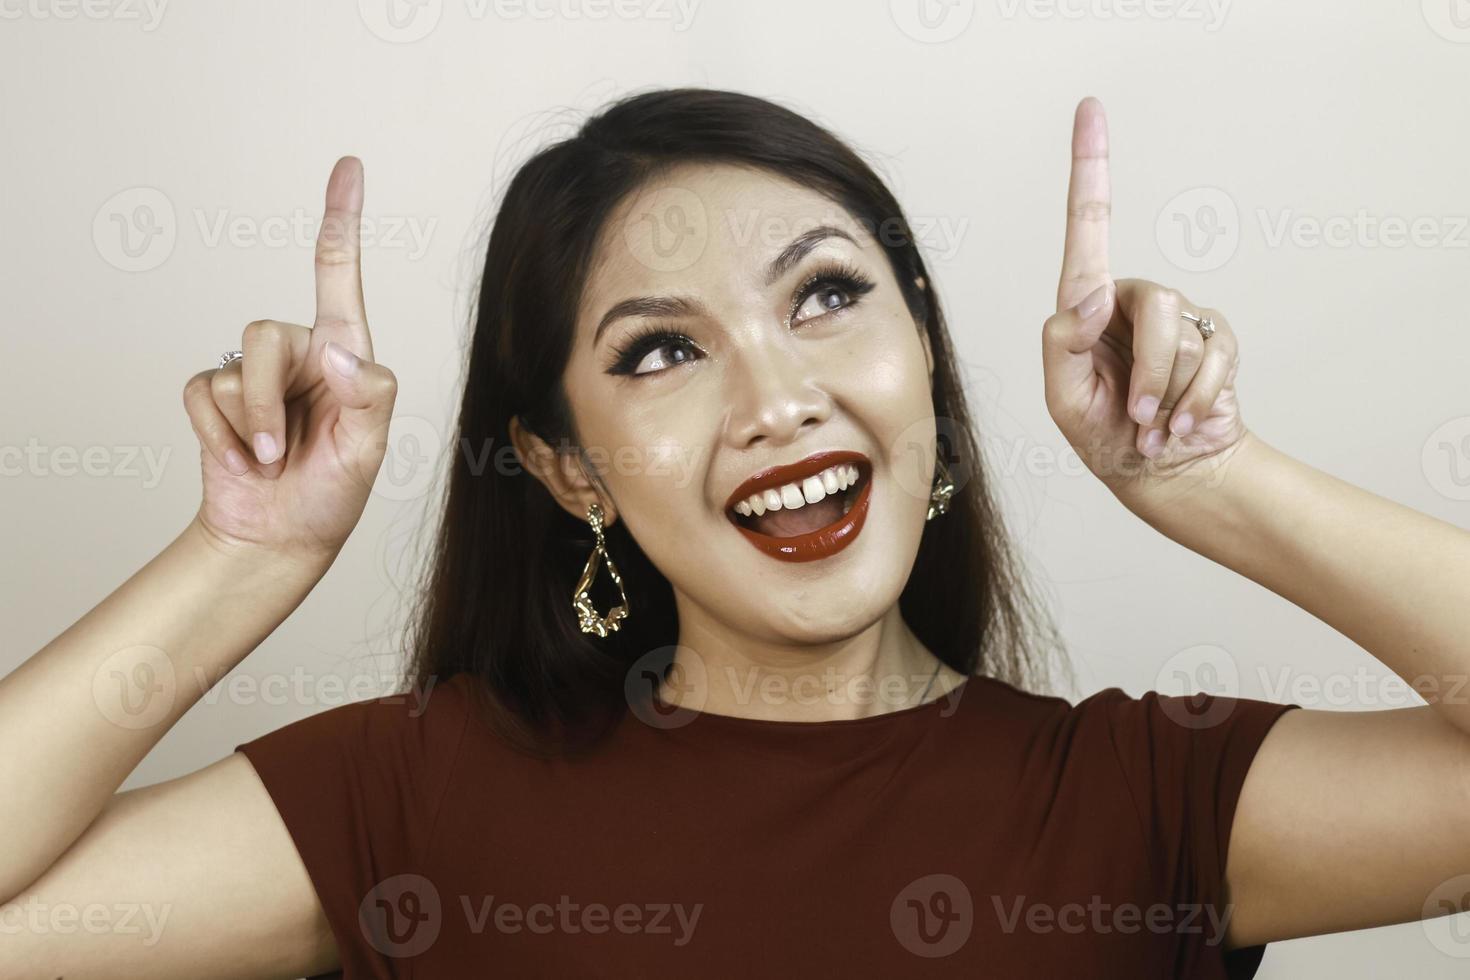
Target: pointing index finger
{"x": 339, "y": 302}
{"x": 1089, "y": 206}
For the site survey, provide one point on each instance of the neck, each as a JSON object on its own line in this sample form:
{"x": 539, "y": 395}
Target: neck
{"x": 880, "y": 669}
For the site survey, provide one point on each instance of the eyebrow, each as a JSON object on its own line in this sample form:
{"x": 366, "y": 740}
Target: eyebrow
{"x": 675, "y": 306}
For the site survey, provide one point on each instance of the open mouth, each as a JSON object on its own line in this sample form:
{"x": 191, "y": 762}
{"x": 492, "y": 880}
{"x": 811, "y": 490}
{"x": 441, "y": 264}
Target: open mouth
{"x": 800, "y": 507}
{"x": 805, "y": 511}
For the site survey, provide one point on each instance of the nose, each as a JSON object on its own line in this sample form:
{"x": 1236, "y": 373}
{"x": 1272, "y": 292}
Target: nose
{"x": 773, "y": 395}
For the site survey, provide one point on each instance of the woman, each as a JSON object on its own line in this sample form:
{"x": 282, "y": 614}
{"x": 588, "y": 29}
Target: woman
{"x": 720, "y": 669}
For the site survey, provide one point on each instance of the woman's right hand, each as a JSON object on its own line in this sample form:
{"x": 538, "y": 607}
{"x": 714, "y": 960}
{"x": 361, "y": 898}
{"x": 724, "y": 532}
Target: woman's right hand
{"x": 291, "y": 443}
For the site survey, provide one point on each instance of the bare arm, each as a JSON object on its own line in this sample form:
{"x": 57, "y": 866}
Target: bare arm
{"x": 1347, "y": 819}
{"x": 193, "y": 877}
{"x": 85, "y": 710}
{"x": 1387, "y": 577}
{"x": 196, "y": 876}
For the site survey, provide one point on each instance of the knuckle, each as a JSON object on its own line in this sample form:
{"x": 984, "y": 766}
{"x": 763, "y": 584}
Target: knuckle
{"x": 260, "y": 418}
{"x": 388, "y": 383}
{"x": 337, "y": 320}
{"x": 1092, "y": 210}
{"x": 333, "y": 254}
{"x": 259, "y": 403}
{"x": 1167, "y": 299}
{"x": 211, "y": 436}
{"x": 263, "y": 332}
{"x": 1159, "y": 354}
{"x": 1156, "y": 373}
{"x": 260, "y": 407}
{"x": 198, "y": 386}
{"x": 226, "y": 383}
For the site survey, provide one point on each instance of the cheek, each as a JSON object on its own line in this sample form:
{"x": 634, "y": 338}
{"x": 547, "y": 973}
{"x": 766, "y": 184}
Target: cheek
{"x": 660, "y": 491}
{"x": 654, "y": 455}
{"x": 885, "y": 388}
{"x": 673, "y": 468}
{"x": 884, "y": 376}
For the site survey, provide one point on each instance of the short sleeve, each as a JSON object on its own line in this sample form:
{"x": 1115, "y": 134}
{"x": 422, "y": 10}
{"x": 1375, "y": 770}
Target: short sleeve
{"x": 358, "y": 787}
{"x": 1185, "y": 759}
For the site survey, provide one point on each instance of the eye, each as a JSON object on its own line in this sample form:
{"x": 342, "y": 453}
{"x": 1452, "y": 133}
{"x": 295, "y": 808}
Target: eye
{"x": 823, "y": 300}
{"x": 653, "y": 349}
{"x": 831, "y": 289}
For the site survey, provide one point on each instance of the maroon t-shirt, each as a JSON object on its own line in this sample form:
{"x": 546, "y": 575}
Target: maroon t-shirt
{"x": 989, "y": 833}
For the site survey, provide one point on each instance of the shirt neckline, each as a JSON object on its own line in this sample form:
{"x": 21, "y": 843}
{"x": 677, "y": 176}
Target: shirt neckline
{"x": 943, "y": 704}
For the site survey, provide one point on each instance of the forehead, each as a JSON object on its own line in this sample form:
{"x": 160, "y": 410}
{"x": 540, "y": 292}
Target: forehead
{"x": 705, "y": 224}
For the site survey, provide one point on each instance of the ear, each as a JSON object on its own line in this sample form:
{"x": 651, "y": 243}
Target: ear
{"x": 562, "y": 473}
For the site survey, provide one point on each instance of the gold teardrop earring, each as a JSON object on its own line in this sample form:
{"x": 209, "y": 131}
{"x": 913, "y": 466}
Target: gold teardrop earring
{"x": 588, "y": 617}
{"x": 941, "y": 492}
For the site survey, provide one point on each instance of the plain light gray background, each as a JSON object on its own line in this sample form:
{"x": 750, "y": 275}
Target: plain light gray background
{"x": 1298, "y": 165}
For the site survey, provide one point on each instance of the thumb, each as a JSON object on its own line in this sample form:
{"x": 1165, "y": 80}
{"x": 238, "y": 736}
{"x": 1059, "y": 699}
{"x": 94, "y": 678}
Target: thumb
{"x": 366, "y": 391}
{"x": 1067, "y": 339}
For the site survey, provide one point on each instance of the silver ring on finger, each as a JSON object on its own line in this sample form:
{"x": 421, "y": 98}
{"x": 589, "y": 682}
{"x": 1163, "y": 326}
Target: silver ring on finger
{"x": 227, "y": 357}
{"x": 1205, "y": 324}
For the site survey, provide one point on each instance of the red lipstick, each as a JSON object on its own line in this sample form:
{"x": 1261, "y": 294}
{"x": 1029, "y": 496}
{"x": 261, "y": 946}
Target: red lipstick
{"x": 824, "y": 541}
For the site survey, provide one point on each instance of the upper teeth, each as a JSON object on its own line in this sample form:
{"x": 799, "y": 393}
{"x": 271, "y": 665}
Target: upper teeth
{"x": 791, "y": 496}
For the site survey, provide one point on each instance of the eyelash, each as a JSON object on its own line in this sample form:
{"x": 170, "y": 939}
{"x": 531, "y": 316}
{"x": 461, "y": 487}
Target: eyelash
{"x": 840, "y": 275}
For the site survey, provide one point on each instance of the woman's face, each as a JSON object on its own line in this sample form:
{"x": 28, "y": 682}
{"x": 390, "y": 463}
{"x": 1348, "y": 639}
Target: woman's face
{"x": 730, "y": 360}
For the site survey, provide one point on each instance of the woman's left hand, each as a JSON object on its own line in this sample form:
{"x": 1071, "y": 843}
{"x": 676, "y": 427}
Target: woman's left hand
{"x": 1143, "y": 397}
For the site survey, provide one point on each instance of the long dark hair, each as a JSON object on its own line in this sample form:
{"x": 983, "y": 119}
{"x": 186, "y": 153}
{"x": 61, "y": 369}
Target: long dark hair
{"x": 506, "y": 556}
